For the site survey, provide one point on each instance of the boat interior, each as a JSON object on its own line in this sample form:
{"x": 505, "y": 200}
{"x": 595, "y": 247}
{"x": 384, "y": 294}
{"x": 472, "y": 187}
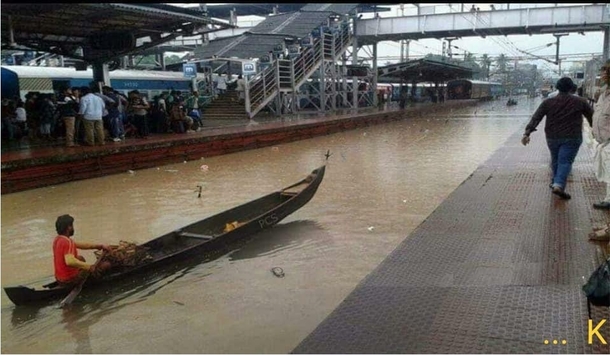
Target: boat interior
{"x": 215, "y": 226}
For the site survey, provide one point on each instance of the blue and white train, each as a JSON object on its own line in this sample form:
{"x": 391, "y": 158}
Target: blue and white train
{"x": 19, "y": 80}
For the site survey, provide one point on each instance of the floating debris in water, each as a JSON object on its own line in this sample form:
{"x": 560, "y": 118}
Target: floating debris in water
{"x": 371, "y": 228}
{"x": 204, "y": 167}
{"x": 179, "y": 303}
{"x": 364, "y": 134}
{"x": 185, "y": 162}
{"x": 404, "y": 201}
{"x": 131, "y": 171}
{"x": 278, "y": 271}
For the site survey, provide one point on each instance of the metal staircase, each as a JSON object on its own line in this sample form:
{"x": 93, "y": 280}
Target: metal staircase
{"x": 287, "y": 75}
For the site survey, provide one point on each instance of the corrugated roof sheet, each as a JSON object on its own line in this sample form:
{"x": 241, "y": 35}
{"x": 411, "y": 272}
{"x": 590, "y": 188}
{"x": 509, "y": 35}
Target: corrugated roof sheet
{"x": 263, "y": 37}
{"x": 297, "y": 24}
{"x": 245, "y": 46}
{"x": 305, "y": 22}
{"x": 271, "y": 23}
{"x": 340, "y": 9}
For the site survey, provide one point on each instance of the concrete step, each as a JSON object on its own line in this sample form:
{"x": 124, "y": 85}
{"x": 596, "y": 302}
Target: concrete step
{"x": 221, "y": 117}
{"x": 217, "y": 113}
{"x": 225, "y": 108}
{"x": 227, "y": 105}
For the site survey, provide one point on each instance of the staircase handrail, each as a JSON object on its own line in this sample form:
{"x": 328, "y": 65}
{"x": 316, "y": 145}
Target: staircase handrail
{"x": 264, "y": 86}
{"x": 261, "y": 89}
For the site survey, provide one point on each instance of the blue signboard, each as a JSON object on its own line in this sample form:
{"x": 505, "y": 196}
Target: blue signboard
{"x": 248, "y": 68}
{"x": 189, "y": 70}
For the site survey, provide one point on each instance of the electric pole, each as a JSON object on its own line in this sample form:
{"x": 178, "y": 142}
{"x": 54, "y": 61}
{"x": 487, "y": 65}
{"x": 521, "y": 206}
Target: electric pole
{"x": 557, "y": 60}
{"x": 449, "y": 53}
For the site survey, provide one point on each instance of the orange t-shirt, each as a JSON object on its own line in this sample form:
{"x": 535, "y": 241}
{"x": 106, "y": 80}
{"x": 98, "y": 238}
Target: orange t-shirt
{"x": 63, "y": 245}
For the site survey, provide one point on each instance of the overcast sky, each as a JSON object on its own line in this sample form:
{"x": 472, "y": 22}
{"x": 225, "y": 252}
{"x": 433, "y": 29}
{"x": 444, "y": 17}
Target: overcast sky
{"x": 591, "y": 42}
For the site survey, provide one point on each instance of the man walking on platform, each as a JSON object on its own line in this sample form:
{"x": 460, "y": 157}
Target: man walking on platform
{"x": 563, "y": 131}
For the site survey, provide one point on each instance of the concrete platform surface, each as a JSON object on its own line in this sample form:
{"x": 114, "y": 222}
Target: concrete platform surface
{"x": 497, "y": 268}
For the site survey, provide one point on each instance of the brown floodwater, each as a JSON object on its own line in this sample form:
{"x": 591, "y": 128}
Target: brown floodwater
{"x": 381, "y": 182}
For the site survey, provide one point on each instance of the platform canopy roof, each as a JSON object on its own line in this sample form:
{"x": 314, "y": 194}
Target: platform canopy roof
{"x": 262, "y": 38}
{"x": 104, "y": 31}
{"x": 264, "y": 9}
{"x": 340, "y": 9}
{"x": 248, "y": 45}
{"x": 423, "y": 70}
{"x": 296, "y": 25}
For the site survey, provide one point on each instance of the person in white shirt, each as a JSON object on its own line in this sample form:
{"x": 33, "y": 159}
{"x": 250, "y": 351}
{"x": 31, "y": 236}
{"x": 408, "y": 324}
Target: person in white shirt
{"x": 601, "y": 133}
{"x": 601, "y": 160}
{"x": 221, "y": 84}
{"x": 241, "y": 88}
{"x": 556, "y": 92}
{"x": 92, "y": 109}
{"x": 21, "y": 118}
{"x": 20, "y": 113}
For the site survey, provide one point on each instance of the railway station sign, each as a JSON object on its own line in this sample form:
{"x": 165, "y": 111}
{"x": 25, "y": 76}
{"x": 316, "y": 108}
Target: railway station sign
{"x": 248, "y": 68}
{"x": 189, "y": 70}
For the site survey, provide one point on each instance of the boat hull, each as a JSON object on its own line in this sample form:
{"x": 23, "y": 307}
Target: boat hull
{"x": 205, "y": 236}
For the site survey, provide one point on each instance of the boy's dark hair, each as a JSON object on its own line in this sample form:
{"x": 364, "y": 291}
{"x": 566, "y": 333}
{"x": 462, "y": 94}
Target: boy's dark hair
{"x": 63, "y": 222}
{"x": 564, "y": 84}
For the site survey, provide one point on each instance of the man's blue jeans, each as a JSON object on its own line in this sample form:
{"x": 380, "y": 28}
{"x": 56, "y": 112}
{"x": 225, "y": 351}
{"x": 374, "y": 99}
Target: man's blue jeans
{"x": 563, "y": 153}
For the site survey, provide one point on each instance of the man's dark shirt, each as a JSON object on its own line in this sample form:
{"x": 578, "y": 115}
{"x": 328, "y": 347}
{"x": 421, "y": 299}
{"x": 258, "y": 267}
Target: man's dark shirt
{"x": 563, "y": 116}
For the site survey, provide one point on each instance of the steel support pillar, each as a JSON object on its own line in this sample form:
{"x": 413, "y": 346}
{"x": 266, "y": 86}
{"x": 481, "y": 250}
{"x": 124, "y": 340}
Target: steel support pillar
{"x": 162, "y": 60}
{"x": 355, "y": 62}
{"x": 606, "y": 54}
{"x": 322, "y": 82}
{"x": 100, "y": 74}
{"x": 375, "y": 96}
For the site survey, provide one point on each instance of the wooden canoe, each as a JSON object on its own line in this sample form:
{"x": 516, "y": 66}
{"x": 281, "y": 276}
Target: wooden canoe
{"x": 207, "y": 235}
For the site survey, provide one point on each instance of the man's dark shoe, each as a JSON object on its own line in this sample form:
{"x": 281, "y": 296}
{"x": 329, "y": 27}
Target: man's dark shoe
{"x": 602, "y": 205}
{"x": 559, "y": 192}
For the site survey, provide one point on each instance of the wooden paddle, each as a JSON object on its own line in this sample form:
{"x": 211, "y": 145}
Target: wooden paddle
{"x": 76, "y": 290}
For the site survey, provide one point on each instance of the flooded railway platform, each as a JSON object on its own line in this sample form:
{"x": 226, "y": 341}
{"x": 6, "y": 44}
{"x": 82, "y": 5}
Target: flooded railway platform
{"x": 497, "y": 268}
{"x": 478, "y": 253}
{"x": 36, "y": 167}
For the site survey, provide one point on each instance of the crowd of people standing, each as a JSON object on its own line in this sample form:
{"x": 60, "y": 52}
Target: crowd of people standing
{"x": 88, "y": 116}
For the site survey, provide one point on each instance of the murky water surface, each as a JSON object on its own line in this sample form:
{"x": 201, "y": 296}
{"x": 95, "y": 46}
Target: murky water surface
{"x": 381, "y": 182}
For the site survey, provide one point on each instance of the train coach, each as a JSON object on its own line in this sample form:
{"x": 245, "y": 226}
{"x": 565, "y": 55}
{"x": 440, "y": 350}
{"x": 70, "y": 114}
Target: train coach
{"x": 463, "y": 89}
{"x": 19, "y": 80}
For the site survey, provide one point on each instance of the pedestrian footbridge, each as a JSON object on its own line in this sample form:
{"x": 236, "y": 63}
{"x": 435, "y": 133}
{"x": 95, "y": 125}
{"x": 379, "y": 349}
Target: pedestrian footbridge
{"x": 578, "y": 18}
